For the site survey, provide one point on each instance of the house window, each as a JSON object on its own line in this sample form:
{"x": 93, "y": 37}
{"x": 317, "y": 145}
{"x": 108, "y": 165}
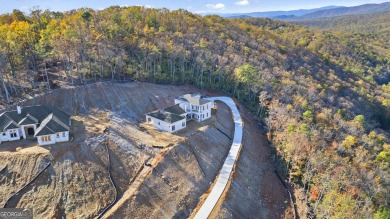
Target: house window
{"x": 58, "y": 135}
{"x": 173, "y": 128}
{"x": 4, "y": 133}
{"x": 183, "y": 124}
{"x": 13, "y": 134}
{"x": 203, "y": 107}
{"x": 46, "y": 138}
{"x": 202, "y": 116}
{"x": 207, "y": 106}
{"x": 63, "y": 134}
{"x": 158, "y": 123}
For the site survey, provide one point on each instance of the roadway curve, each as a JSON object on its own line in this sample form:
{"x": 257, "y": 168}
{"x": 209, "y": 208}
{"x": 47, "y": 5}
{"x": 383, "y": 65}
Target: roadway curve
{"x": 227, "y": 168}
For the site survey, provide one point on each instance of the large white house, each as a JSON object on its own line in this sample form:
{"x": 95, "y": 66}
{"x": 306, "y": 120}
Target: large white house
{"x": 197, "y": 108}
{"x": 48, "y": 125}
{"x": 174, "y": 118}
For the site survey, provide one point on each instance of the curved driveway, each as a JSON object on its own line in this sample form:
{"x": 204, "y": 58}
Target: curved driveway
{"x": 227, "y": 168}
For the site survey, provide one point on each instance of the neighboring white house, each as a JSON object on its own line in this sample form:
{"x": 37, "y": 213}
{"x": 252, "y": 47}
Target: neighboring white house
{"x": 196, "y": 107}
{"x": 174, "y": 118}
{"x": 47, "y": 124}
{"x": 170, "y": 119}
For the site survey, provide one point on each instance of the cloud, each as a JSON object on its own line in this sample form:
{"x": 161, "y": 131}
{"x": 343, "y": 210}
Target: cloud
{"x": 146, "y": 6}
{"x": 218, "y": 6}
{"x": 242, "y": 2}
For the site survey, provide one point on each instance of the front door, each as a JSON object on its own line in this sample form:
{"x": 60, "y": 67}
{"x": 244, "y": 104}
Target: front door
{"x": 30, "y": 131}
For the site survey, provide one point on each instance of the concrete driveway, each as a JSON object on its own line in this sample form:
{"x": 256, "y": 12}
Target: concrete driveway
{"x": 227, "y": 168}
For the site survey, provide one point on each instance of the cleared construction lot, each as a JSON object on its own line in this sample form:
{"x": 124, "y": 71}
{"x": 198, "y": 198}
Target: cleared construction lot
{"x": 177, "y": 172}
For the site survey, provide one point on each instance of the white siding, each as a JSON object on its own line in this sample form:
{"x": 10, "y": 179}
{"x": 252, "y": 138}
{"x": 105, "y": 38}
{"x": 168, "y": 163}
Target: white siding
{"x": 178, "y": 125}
{"x": 41, "y": 140}
{"x": 4, "y": 136}
{"x": 204, "y": 112}
{"x": 165, "y": 126}
{"x": 62, "y": 137}
{"x": 7, "y": 136}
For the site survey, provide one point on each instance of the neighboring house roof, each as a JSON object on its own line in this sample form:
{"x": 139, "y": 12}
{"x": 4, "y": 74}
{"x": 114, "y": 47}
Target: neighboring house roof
{"x": 194, "y": 99}
{"x": 4, "y": 121}
{"x": 28, "y": 120}
{"x": 44, "y": 131}
{"x": 11, "y": 125}
{"x": 176, "y": 109}
{"x": 51, "y": 119}
{"x": 166, "y": 116}
{"x": 51, "y": 125}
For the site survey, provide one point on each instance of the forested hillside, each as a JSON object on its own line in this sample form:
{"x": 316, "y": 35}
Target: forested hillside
{"x": 373, "y": 29}
{"x": 324, "y": 97}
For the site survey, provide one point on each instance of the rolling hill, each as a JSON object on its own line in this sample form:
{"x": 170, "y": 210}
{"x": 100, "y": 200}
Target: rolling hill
{"x": 316, "y": 13}
{"x": 273, "y": 14}
{"x": 361, "y": 9}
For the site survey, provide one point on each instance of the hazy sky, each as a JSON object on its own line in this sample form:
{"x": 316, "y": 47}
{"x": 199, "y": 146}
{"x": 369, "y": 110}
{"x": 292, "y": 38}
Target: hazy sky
{"x": 197, "y": 6}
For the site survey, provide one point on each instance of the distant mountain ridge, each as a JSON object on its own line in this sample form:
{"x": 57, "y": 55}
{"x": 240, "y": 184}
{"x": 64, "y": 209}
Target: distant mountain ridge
{"x": 273, "y": 14}
{"x": 316, "y": 13}
{"x": 335, "y": 12}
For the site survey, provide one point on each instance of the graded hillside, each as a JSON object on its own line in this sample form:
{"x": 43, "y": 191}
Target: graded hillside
{"x": 154, "y": 174}
{"x": 322, "y": 96}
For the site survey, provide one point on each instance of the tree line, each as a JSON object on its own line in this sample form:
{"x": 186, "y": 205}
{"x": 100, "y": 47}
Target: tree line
{"x": 323, "y": 96}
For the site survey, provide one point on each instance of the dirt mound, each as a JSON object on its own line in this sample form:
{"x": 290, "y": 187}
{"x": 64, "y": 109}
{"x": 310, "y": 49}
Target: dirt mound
{"x": 163, "y": 182}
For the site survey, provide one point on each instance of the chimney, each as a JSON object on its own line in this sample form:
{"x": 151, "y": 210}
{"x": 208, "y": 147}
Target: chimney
{"x": 19, "y": 109}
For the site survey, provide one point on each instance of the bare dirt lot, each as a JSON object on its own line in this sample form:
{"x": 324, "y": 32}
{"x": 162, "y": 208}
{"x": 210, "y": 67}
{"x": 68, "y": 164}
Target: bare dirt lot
{"x": 166, "y": 181}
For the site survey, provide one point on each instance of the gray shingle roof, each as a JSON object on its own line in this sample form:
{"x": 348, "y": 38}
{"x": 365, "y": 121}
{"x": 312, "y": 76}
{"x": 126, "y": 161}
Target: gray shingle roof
{"x": 51, "y": 119}
{"x": 166, "y": 116}
{"x": 28, "y": 120}
{"x": 176, "y": 109}
{"x": 51, "y": 125}
{"x": 11, "y": 125}
{"x": 194, "y": 99}
{"x": 44, "y": 131}
{"x": 4, "y": 121}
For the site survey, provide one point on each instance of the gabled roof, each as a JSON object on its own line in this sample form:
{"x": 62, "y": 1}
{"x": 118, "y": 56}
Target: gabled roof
{"x": 11, "y": 125}
{"x": 28, "y": 120}
{"x": 51, "y": 125}
{"x": 51, "y": 119}
{"x": 4, "y": 121}
{"x": 176, "y": 109}
{"x": 194, "y": 99}
{"x": 44, "y": 131}
{"x": 166, "y": 116}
